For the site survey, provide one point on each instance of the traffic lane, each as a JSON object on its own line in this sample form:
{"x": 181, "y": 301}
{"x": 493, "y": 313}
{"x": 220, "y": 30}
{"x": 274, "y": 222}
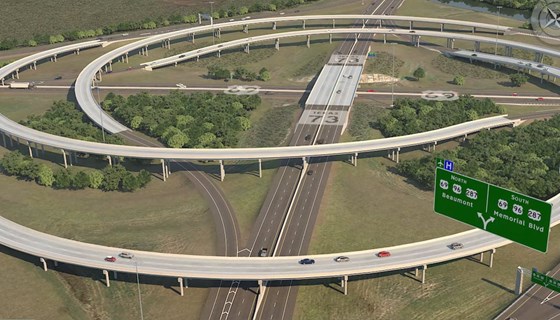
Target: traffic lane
{"x": 266, "y": 227}
{"x": 530, "y": 305}
{"x": 281, "y": 296}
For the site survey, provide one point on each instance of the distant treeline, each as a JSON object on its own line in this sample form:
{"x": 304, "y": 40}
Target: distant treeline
{"x": 148, "y": 23}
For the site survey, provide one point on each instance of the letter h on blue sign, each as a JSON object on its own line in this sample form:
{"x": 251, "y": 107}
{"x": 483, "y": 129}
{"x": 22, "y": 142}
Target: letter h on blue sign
{"x": 448, "y": 165}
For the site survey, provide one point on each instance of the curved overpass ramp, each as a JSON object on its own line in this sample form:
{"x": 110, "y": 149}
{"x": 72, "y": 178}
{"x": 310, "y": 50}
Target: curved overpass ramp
{"x": 275, "y": 268}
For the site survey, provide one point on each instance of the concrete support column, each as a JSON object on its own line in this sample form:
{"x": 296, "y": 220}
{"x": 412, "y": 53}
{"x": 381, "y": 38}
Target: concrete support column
{"x": 416, "y": 272}
{"x": 330, "y": 37}
{"x": 30, "y": 151}
{"x": 247, "y": 48}
{"x": 308, "y": 40}
{"x": 192, "y": 35}
{"x": 44, "y": 262}
{"x": 222, "y": 171}
{"x": 17, "y": 73}
{"x": 344, "y": 284}
{"x": 481, "y": 256}
{"x": 384, "y": 38}
{"x": 356, "y": 37}
{"x": 491, "y": 262}
{"x": 55, "y": 263}
{"x": 363, "y": 23}
{"x": 78, "y": 51}
{"x": 380, "y": 23}
{"x": 99, "y": 76}
{"x": 277, "y": 44}
{"x": 110, "y": 65}
{"x": 477, "y": 46}
{"x": 398, "y": 152}
{"x": 260, "y": 168}
{"x": 181, "y": 285}
{"x": 305, "y": 164}
{"x": 274, "y": 25}
{"x": 246, "y": 28}
{"x": 465, "y": 137}
{"x": 303, "y": 25}
{"x": 435, "y": 144}
{"x": 163, "y": 170}
{"x": 441, "y": 27}
{"x": 109, "y": 159}
{"x": 355, "y": 159}
{"x": 167, "y": 170}
{"x": 75, "y": 157}
{"x": 54, "y": 57}
{"x": 410, "y": 25}
{"x": 509, "y": 51}
{"x": 539, "y": 57}
{"x": 4, "y": 139}
{"x": 473, "y": 29}
{"x": 126, "y": 57}
{"x": 333, "y": 23}
{"x": 519, "y": 281}
{"x": 106, "y": 273}
{"x": 261, "y": 285}
{"x": 2, "y": 81}
{"x": 11, "y": 141}
{"x": 218, "y": 54}
{"x": 450, "y": 43}
{"x": 424, "y": 267}
{"x": 34, "y": 65}
{"x": 64, "y": 156}
{"x": 418, "y": 41}
{"x": 218, "y": 33}
{"x": 70, "y": 158}
{"x": 393, "y": 155}
{"x": 146, "y": 51}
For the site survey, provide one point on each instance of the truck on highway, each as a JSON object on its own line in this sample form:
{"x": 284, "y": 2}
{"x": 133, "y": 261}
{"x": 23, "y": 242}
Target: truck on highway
{"x": 21, "y": 85}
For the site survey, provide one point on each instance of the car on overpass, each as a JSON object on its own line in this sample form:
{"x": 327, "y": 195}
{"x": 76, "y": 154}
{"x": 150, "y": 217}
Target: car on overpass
{"x": 306, "y": 261}
{"x": 342, "y": 259}
{"x": 383, "y": 254}
{"x": 110, "y": 259}
{"x": 126, "y": 255}
{"x": 456, "y": 246}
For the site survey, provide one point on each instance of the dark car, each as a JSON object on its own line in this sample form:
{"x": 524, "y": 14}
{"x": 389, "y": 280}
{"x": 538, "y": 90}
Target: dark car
{"x": 342, "y": 259}
{"x": 321, "y": 141}
{"x": 57, "y": 77}
{"x": 310, "y": 172}
{"x": 182, "y": 56}
{"x": 263, "y": 252}
{"x": 383, "y": 254}
{"x": 456, "y": 246}
{"x": 306, "y": 261}
{"x": 110, "y": 259}
{"x": 307, "y": 137}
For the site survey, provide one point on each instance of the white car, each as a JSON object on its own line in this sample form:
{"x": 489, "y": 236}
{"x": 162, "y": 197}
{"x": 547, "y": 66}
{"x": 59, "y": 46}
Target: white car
{"x": 126, "y": 255}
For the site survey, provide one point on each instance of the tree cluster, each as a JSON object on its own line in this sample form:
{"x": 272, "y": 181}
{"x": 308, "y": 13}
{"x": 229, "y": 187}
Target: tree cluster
{"x": 198, "y": 120}
{"x": 525, "y": 159}
{"x": 109, "y": 179}
{"x": 148, "y": 23}
{"x": 64, "y": 119}
{"x": 240, "y": 73}
{"x": 518, "y": 79}
{"x": 413, "y": 116}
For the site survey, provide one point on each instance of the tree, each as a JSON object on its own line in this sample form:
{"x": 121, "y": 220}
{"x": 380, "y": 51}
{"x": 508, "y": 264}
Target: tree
{"x": 112, "y": 177}
{"x": 95, "y": 179}
{"x": 264, "y": 74}
{"x": 459, "y": 80}
{"x": 11, "y": 162}
{"x": 32, "y": 43}
{"x": 419, "y": 73}
{"x": 129, "y": 182}
{"x": 243, "y": 10}
{"x": 178, "y": 140}
{"x": 81, "y": 180}
{"x": 136, "y": 122}
{"x": 271, "y": 7}
{"x": 63, "y": 179}
{"x": 45, "y": 176}
{"x": 244, "y": 123}
{"x": 518, "y": 79}
{"x": 144, "y": 177}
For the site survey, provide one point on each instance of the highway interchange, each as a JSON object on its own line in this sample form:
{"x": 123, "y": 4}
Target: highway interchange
{"x": 298, "y": 226}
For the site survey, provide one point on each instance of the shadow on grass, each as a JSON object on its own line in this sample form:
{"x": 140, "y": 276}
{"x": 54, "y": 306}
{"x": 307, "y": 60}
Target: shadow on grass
{"x": 498, "y": 285}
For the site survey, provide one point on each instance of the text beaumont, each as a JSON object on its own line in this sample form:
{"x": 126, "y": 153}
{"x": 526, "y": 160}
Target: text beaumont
{"x": 458, "y": 200}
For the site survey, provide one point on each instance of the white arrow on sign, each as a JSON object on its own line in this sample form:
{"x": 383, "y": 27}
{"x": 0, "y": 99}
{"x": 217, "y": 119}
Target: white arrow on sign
{"x": 485, "y": 222}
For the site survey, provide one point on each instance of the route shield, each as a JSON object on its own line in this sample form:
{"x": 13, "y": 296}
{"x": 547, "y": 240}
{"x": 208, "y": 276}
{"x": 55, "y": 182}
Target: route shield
{"x": 503, "y": 212}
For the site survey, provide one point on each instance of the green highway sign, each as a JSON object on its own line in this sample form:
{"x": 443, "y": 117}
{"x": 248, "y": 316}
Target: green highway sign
{"x": 545, "y": 281}
{"x": 500, "y": 211}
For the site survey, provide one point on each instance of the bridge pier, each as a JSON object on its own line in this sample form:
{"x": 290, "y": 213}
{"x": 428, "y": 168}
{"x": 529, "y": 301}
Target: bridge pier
{"x": 423, "y": 279}
{"x": 2, "y": 81}
{"x": 344, "y": 284}
{"x": 77, "y": 52}
{"x": 384, "y": 38}
{"x": 30, "y": 151}
{"x": 415, "y": 40}
{"x": 277, "y": 44}
{"x": 64, "y": 156}
{"x": 354, "y": 159}
{"x": 181, "y": 281}
{"x": 274, "y": 25}
{"x": 473, "y": 29}
{"x": 519, "y": 281}
{"x": 192, "y": 37}
{"x": 106, "y": 273}
{"x": 308, "y": 40}
{"x": 410, "y": 25}
{"x": 219, "y": 53}
{"x": 333, "y": 23}
{"x": 508, "y": 51}
{"x": 247, "y": 48}
{"x": 245, "y": 28}
{"x": 303, "y": 25}
{"x": 110, "y": 160}
{"x": 491, "y": 262}
{"x": 450, "y": 43}
{"x": 163, "y": 170}
{"x": 43, "y": 150}
{"x": 477, "y": 46}
{"x": 17, "y": 73}
{"x": 260, "y": 168}
{"x": 330, "y": 37}
{"x": 44, "y": 262}
{"x": 222, "y": 171}
{"x": 539, "y": 57}
{"x": 305, "y": 164}
{"x": 363, "y": 23}
{"x": 441, "y": 27}
{"x": 218, "y": 33}
{"x": 34, "y": 65}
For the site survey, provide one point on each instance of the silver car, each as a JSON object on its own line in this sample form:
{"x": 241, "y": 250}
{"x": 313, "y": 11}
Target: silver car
{"x": 342, "y": 259}
{"x": 126, "y": 255}
{"x": 456, "y": 246}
